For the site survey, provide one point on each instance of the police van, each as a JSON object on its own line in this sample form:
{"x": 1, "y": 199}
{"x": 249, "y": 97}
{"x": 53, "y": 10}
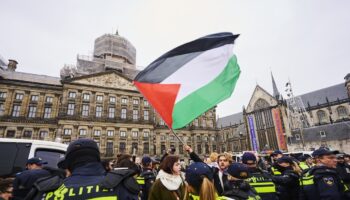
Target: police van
{"x": 14, "y": 154}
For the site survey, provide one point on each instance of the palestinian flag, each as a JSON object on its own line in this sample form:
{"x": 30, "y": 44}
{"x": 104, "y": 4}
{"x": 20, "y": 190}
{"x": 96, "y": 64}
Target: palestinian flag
{"x": 190, "y": 79}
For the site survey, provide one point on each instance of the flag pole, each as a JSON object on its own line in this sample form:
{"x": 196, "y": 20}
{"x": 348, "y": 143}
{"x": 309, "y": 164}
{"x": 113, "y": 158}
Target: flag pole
{"x": 173, "y": 132}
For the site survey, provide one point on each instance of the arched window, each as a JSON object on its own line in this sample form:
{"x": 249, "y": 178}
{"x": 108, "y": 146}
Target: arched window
{"x": 260, "y": 104}
{"x": 321, "y": 116}
{"x": 342, "y": 112}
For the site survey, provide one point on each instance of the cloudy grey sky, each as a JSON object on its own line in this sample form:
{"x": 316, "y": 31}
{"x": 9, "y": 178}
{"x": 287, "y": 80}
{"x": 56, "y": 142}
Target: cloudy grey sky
{"x": 306, "y": 41}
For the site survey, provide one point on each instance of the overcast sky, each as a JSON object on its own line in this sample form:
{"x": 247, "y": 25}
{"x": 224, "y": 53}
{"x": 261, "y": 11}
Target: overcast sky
{"x": 306, "y": 41}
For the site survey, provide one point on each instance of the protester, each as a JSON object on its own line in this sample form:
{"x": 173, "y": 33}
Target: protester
{"x": 147, "y": 177}
{"x": 238, "y": 187}
{"x": 220, "y": 178}
{"x": 262, "y": 184}
{"x": 288, "y": 183}
{"x": 199, "y": 177}
{"x": 24, "y": 181}
{"x": 302, "y": 162}
{"x": 88, "y": 178}
{"x": 322, "y": 181}
{"x": 6, "y": 188}
{"x": 169, "y": 184}
{"x": 107, "y": 164}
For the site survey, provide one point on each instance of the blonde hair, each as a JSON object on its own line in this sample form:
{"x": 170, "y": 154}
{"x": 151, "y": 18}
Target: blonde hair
{"x": 206, "y": 192}
{"x": 227, "y": 156}
{"x": 296, "y": 168}
{"x": 213, "y": 157}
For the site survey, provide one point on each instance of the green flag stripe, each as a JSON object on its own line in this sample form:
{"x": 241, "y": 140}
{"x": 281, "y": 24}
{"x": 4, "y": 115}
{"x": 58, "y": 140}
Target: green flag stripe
{"x": 207, "y": 96}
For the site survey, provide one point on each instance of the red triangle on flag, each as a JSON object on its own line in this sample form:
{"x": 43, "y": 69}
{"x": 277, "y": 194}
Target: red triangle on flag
{"x": 162, "y": 97}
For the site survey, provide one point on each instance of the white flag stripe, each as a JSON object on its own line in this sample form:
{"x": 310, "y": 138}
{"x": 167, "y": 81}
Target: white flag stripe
{"x": 201, "y": 70}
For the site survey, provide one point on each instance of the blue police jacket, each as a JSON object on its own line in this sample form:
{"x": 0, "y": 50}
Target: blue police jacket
{"x": 25, "y": 180}
{"x": 321, "y": 183}
{"x": 85, "y": 183}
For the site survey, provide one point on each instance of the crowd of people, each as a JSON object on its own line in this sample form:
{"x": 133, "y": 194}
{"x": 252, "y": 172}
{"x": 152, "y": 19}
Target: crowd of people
{"x": 81, "y": 174}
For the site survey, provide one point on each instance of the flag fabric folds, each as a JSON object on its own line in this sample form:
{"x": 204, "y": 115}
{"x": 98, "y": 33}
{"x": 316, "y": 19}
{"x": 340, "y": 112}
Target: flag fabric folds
{"x": 190, "y": 79}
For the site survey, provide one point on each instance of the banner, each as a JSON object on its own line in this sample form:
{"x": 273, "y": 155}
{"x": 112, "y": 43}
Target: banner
{"x": 279, "y": 130}
{"x": 252, "y": 133}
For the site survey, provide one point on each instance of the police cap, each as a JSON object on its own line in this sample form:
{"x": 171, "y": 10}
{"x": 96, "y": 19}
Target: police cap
{"x": 238, "y": 170}
{"x": 323, "y": 151}
{"x": 196, "y": 172}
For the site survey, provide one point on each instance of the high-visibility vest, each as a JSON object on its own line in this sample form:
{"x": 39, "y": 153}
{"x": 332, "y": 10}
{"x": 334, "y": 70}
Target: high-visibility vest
{"x": 261, "y": 184}
{"x": 275, "y": 171}
{"x": 140, "y": 180}
{"x": 303, "y": 166}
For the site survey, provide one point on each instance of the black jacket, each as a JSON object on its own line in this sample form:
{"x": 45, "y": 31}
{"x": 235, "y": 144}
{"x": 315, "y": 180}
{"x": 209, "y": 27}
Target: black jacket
{"x": 344, "y": 172}
{"x": 287, "y": 185}
{"x": 322, "y": 183}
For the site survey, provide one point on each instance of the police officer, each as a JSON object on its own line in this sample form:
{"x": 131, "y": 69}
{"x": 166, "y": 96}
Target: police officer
{"x": 322, "y": 181}
{"x": 262, "y": 184}
{"x": 343, "y": 170}
{"x": 24, "y": 181}
{"x": 88, "y": 178}
{"x": 302, "y": 162}
{"x": 147, "y": 177}
{"x": 287, "y": 183}
{"x": 239, "y": 188}
{"x": 275, "y": 155}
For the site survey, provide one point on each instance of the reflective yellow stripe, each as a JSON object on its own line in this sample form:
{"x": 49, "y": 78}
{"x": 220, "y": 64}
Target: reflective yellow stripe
{"x": 105, "y": 198}
{"x": 303, "y": 166}
{"x": 140, "y": 180}
{"x": 307, "y": 180}
{"x": 194, "y": 197}
{"x": 268, "y": 189}
{"x": 275, "y": 171}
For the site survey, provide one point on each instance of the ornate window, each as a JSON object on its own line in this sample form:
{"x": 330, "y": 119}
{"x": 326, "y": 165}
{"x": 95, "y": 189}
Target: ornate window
{"x": 321, "y": 116}
{"x": 342, "y": 112}
{"x": 111, "y": 112}
{"x": 3, "y": 95}
{"x": 123, "y": 113}
{"x": 260, "y": 104}
{"x": 110, "y": 133}
{"x": 111, "y": 99}
{"x": 72, "y": 95}
{"x": 98, "y": 111}
{"x": 67, "y": 131}
{"x": 15, "y": 111}
{"x": 99, "y": 98}
{"x": 70, "y": 110}
{"x": 146, "y": 148}
{"x": 122, "y": 134}
{"x": 2, "y": 109}
{"x": 97, "y": 132}
{"x": 47, "y": 112}
{"x": 19, "y": 96}
{"x": 86, "y": 97}
{"x": 48, "y": 99}
{"x": 145, "y": 115}
{"x": 122, "y": 147}
{"x": 27, "y": 134}
{"x": 135, "y": 114}
{"x": 34, "y": 98}
{"x": 32, "y": 111}
{"x": 145, "y": 103}
{"x": 43, "y": 134}
{"x": 85, "y": 111}
{"x": 82, "y": 132}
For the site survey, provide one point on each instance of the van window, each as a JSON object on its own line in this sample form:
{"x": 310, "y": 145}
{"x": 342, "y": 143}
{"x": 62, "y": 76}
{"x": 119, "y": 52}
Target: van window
{"x": 52, "y": 157}
{"x": 13, "y": 157}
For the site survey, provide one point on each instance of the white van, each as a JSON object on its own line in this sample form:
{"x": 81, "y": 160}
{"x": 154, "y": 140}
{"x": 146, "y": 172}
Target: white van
{"x": 14, "y": 154}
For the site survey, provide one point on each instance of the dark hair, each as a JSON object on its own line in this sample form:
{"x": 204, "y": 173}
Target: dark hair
{"x": 5, "y": 184}
{"x": 167, "y": 164}
{"x": 128, "y": 164}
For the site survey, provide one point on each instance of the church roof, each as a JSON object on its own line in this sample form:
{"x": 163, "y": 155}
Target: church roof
{"x": 333, "y": 93}
{"x": 230, "y": 120}
{"x": 28, "y": 77}
{"x": 336, "y": 131}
